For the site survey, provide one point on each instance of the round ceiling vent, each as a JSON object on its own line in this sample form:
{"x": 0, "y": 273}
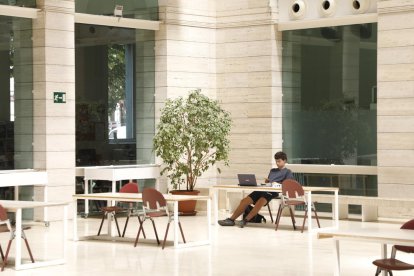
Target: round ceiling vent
{"x": 298, "y": 9}
{"x": 360, "y": 6}
{"x": 327, "y": 7}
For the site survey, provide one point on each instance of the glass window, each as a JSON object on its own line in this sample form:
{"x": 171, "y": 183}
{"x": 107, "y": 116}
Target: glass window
{"x": 20, "y": 3}
{"x": 329, "y": 102}
{"x": 16, "y": 99}
{"x": 114, "y": 101}
{"x": 143, "y": 9}
{"x": 329, "y": 95}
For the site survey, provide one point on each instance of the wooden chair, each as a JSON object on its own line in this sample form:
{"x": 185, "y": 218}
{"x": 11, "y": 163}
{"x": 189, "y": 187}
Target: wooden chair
{"x": 392, "y": 263}
{"x": 294, "y": 195}
{"x": 8, "y": 228}
{"x": 155, "y": 205}
{"x": 130, "y": 187}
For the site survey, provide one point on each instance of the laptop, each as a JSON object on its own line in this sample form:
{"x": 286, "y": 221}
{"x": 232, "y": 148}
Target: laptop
{"x": 247, "y": 180}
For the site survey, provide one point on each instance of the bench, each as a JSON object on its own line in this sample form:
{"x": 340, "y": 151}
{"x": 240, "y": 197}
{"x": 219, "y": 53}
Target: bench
{"x": 369, "y": 204}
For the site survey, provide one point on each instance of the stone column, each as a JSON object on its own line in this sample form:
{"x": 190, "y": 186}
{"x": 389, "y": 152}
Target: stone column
{"x": 185, "y": 52}
{"x": 395, "y": 108}
{"x": 54, "y": 123}
{"x": 249, "y": 83}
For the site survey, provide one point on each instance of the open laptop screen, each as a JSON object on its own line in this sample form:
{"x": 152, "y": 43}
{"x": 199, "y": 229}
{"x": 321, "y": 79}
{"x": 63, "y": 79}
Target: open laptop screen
{"x": 247, "y": 179}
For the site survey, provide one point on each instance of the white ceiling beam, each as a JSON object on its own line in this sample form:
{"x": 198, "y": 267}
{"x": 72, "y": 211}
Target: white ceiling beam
{"x": 18, "y": 11}
{"x": 117, "y": 21}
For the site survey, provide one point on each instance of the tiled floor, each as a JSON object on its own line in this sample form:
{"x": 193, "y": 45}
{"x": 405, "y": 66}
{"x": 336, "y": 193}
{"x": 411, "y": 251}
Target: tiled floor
{"x": 253, "y": 250}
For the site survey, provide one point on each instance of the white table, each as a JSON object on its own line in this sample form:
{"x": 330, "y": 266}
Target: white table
{"x": 29, "y": 177}
{"x": 17, "y": 206}
{"x": 117, "y": 173}
{"x": 308, "y": 192}
{"x": 173, "y": 199}
{"x": 368, "y": 234}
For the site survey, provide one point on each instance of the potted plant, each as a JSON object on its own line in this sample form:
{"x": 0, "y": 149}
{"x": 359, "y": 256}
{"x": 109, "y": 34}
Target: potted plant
{"x": 191, "y": 136}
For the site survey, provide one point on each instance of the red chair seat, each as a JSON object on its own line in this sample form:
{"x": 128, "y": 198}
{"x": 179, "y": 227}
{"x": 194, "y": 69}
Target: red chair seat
{"x": 111, "y": 209}
{"x": 157, "y": 214}
{"x": 295, "y": 202}
{"x": 392, "y": 264}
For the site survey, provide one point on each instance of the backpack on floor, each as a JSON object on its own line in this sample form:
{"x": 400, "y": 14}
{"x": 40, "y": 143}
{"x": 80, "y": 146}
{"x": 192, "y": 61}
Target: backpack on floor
{"x": 256, "y": 219}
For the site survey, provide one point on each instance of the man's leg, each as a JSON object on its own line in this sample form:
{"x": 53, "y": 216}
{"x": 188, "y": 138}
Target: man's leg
{"x": 242, "y": 206}
{"x": 259, "y": 204}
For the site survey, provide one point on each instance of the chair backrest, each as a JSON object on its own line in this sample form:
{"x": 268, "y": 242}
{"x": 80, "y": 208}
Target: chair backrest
{"x": 4, "y": 219}
{"x": 153, "y": 199}
{"x": 130, "y": 188}
{"x": 407, "y": 249}
{"x": 408, "y": 225}
{"x": 292, "y": 189}
{"x": 3, "y": 214}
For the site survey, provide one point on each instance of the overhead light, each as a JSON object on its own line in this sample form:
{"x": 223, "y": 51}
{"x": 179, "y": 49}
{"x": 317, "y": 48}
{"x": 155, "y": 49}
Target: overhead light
{"x": 118, "y": 10}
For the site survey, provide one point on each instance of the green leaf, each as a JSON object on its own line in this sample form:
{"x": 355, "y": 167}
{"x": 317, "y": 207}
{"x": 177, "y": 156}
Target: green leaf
{"x": 192, "y": 135}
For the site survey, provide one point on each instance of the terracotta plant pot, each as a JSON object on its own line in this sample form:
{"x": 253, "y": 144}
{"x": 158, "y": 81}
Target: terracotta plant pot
{"x": 186, "y": 208}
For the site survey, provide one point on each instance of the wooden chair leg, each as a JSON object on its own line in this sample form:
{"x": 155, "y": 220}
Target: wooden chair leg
{"x": 279, "y": 213}
{"x": 143, "y": 232}
{"x": 166, "y": 234}
{"x": 1, "y": 252}
{"x": 126, "y": 223}
{"x": 390, "y": 272}
{"x": 378, "y": 271}
{"x": 304, "y": 220}
{"x": 155, "y": 230}
{"x": 117, "y": 225}
{"x": 317, "y": 218}
{"x": 181, "y": 229}
{"x": 270, "y": 212}
{"x": 7, "y": 255}
{"x": 102, "y": 221}
{"x": 292, "y": 217}
{"x": 139, "y": 232}
{"x": 28, "y": 249}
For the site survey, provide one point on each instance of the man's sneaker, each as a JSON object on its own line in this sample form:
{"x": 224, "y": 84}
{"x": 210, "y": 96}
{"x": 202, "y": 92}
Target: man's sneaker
{"x": 241, "y": 223}
{"x": 226, "y": 222}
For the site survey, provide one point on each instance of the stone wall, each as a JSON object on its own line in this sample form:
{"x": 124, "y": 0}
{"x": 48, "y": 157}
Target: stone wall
{"x": 395, "y": 101}
{"x": 54, "y": 124}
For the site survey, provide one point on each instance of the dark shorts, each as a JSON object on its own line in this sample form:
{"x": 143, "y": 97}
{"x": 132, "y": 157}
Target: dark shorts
{"x": 255, "y": 196}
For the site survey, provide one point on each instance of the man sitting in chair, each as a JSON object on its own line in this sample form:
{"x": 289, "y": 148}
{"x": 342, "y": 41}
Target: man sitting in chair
{"x": 259, "y": 198}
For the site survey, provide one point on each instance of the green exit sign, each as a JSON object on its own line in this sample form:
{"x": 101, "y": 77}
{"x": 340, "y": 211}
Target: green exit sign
{"x": 59, "y": 97}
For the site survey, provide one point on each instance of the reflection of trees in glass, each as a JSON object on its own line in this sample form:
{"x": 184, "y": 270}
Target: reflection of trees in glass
{"x": 333, "y": 131}
{"x": 116, "y": 76}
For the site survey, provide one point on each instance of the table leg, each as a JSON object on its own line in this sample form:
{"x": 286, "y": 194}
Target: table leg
{"x": 309, "y": 203}
{"x": 75, "y": 220}
{"x": 215, "y": 206}
{"x": 18, "y": 238}
{"x": 336, "y": 210}
{"x": 65, "y": 230}
{"x": 114, "y": 191}
{"x": 86, "y": 181}
{"x": 337, "y": 258}
{"x": 175, "y": 224}
{"x": 209, "y": 219}
{"x": 16, "y": 192}
{"x": 383, "y": 256}
{"x": 45, "y": 209}
{"x": 109, "y": 218}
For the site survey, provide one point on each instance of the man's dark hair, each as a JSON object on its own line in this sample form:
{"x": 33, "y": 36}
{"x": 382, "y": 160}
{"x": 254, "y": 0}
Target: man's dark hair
{"x": 280, "y": 155}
